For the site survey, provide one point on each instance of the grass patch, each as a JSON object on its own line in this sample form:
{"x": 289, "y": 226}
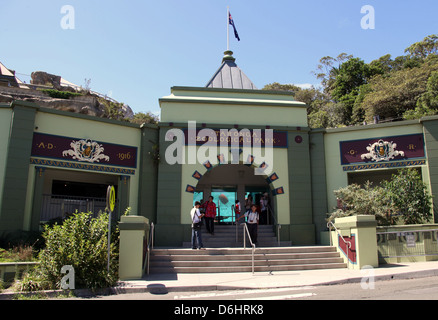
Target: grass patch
{"x": 17, "y": 254}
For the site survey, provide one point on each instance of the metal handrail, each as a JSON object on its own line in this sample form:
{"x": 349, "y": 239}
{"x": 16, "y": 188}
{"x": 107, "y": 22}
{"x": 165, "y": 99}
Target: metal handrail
{"x": 269, "y": 209}
{"x": 347, "y": 243}
{"x": 149, "y": 247}
{"x": 235, "y": 220}
{"x": 245, "y": 227}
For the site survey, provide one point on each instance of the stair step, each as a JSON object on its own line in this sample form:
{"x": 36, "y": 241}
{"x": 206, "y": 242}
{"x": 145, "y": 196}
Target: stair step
{"x": 237, "y": 263}
{"x": 218, "y": 260}
{"x": 227, "y": 251}
{"x": 247, "y": 256}
{"x": 221, "y": 269}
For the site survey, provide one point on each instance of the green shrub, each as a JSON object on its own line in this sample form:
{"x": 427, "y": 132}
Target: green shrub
{"x": 32, "y": 281}
{"x": 81, "y": 241}
{"x": 60, "y": 94}
{"x": 404, "y": 199}
{"x": 19, "y": 253}
{"x": 409, "y": 197}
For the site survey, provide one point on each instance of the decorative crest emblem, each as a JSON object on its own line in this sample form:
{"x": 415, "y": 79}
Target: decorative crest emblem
{"x": 382, "y": 151}
{"x": 86, "y": 150}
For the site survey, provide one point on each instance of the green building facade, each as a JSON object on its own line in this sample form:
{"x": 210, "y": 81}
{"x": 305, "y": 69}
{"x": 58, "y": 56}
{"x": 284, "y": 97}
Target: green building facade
{"x": 54, "y": 162}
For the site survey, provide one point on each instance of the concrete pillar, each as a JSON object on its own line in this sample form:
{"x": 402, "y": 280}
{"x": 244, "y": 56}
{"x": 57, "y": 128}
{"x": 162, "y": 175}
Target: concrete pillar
{"x": 134, "y": 234}
{"x": 37, "y": 198}
{"x": 360, "y": 231}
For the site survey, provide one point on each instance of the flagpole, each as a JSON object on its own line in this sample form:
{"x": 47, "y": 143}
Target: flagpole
{"x": 228, "y": 28}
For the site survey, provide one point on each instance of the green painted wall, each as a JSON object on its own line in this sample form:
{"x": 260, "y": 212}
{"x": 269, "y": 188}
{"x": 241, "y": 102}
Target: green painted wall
{"x": 336, "y": 177}
{"x": 80, "y": 126}
{"x": 302, "y": 229}
{"x": 147, "y": 191}
{"x": 430, "y": 128}
{"x": 319, "y": 183}
{"x": 169, "y": 231}
{"x": 12, "y": 210}
{"x": 5, "y": 126}
{"x": 232, "y": 106}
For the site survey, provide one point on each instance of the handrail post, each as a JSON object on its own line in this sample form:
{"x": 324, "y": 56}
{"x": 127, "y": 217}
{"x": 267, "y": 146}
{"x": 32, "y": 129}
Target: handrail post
{"x": 252, "y": 262}
{"x": 347, "y": 243}
{"x": 244, "y": 236}
{"x": 245, "y": 228}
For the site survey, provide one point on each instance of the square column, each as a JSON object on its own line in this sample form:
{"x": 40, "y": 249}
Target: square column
{"x": 356, "y": 240}
{"x": 134, "y": 235}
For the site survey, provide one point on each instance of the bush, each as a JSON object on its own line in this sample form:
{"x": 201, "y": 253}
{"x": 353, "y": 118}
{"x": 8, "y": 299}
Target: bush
{"x": 404, "y": 199}
{"x": 60, "y": 94}
{"x": 20, "y": 253}
{"x": 408, "y": 196}
{"x": 366, "y": 200}
{"x": 81, "y": 241}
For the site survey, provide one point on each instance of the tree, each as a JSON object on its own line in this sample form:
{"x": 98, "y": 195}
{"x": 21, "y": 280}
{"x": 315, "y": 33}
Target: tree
{"x": 391, "y": 96}
{"x": 312, "y": 97}
{"x": 330, "y": 115}
{"x": 424, "y": 48}
{"x": 365, "y": 200}
{"x": 351, "y": 76}
{"x": 354, "y": 92}
{"x": 404, "y": 199}
{"x": 275, "y": 86}
{"x": 427, "y": 104}
{"x": 141, "y": 118}
{"x": 81, "y": 241}
{"x": 409, "y": 197}
{"x": 327, "y": 71}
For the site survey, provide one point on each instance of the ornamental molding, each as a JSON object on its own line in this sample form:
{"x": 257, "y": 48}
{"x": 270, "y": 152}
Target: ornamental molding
{"x": 86, "y": 150}
{"x": 382, "y": 151}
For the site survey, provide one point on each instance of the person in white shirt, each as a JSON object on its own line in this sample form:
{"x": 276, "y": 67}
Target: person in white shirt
{"x": 252, "y": 221}
{"x": 196, "y": 216}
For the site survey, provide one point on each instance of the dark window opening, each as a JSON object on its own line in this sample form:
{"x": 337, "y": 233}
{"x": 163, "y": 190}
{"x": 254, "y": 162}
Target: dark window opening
{"x": 79, "y": 189}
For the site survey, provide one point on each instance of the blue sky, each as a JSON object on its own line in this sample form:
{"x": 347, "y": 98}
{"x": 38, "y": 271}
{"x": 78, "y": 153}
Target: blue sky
{"x": 135, "y": 51}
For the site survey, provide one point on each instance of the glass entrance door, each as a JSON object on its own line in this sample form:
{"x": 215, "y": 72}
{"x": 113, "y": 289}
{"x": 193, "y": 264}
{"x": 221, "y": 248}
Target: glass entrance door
{"x": 257, "y": 194}
{"x": 225, "y": 199}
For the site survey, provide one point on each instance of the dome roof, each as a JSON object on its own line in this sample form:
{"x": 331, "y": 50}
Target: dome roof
{"x": 230, "y": 76}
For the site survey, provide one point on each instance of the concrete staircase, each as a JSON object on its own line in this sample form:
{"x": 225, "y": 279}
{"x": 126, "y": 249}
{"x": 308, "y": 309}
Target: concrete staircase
{"x": 220, "y": 260}
{"x": 225, "y": 237}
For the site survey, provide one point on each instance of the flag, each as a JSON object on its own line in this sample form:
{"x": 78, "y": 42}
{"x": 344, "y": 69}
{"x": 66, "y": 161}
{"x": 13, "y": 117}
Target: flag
{"x": 230, "y": 20}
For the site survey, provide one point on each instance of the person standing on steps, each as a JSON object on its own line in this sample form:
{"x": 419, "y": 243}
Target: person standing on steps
{"x": 264, "y": 208}
{"x": 252, "y": 221}
{"x": 196, "y": 226}
{"x": 248, "y": 203}
{"x": 237, "y": 211}
{"x": 210, "y": 214}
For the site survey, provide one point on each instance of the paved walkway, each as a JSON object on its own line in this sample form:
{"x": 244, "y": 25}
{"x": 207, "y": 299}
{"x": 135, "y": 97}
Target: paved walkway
{"x": 162, "y": 283}
{"x": 157, "y": 283}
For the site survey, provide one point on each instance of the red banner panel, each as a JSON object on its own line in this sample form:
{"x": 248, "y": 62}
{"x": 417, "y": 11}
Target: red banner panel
{"x": 242, "y": 137}
{"x": 83, "y": 150}
{"x": 382, "y": 149}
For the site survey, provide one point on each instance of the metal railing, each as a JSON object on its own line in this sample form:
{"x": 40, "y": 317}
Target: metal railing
{"x": 407, "y": 243}
{"x": 347, "y": 243}
{"x": 269, "y": 210}
{"x": 61, "y": 206}
{"x": 245, "y": 227}
{"x": 149, "y": 248}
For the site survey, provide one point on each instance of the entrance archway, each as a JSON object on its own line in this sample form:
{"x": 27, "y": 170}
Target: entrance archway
{"x": 230, "y": 182}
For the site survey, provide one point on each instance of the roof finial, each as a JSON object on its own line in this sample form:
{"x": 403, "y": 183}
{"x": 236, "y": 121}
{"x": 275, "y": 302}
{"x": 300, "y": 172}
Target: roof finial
{"x": 228, "y": 56}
